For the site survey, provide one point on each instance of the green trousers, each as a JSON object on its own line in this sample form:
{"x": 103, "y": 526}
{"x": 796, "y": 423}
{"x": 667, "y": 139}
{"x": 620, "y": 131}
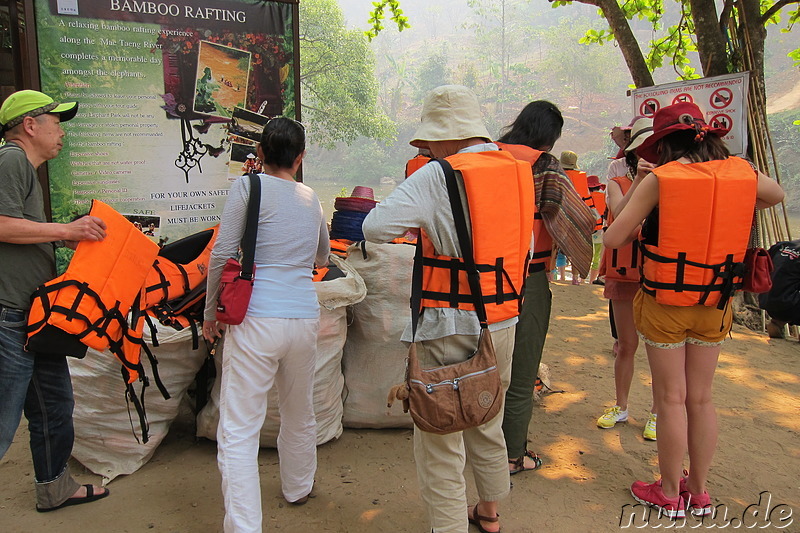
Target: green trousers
{"x": 534, "y": 320}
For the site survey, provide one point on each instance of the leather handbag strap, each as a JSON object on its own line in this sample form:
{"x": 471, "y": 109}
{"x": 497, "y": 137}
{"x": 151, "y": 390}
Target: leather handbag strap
{"x": 248, "y": 243}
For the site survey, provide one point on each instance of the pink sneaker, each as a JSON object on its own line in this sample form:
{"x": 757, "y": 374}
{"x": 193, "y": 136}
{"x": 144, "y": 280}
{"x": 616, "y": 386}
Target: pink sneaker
{"x": 651, "y": 494}
{"x": 697, "y": 504}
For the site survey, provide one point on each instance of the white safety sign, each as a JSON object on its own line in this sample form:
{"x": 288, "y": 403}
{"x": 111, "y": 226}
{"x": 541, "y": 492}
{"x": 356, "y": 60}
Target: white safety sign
{"x": 723, "y": 100}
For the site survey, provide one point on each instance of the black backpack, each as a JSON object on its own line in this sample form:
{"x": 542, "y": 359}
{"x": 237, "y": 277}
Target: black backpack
{"x": 782, "y": 302}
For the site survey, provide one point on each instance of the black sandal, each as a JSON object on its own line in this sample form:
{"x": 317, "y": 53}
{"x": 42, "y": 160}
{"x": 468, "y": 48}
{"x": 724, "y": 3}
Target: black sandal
{"x": 519, "y": 463}
{"x": 78, "y": 500}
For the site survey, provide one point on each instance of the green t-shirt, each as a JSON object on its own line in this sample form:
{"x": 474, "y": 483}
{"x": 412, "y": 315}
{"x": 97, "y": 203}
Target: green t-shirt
{"x": 23, "y": 267}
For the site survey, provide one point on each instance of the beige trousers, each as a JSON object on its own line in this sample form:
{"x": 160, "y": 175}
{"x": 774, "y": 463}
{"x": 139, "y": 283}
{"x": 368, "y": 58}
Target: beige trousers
{"x": 441, "y": 459}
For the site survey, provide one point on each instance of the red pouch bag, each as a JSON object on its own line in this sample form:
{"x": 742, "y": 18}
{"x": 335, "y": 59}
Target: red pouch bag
{"x": 757, "y": 271}
{"x": 236, "y": 282}
{"x": 234, "y": 293}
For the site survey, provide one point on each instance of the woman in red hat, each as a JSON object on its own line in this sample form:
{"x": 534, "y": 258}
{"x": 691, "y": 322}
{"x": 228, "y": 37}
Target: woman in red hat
{"x": 696, "y": 210}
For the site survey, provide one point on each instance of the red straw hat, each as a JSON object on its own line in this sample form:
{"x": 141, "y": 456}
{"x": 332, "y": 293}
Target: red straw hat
{"x": 677, "y": 117}
{"x": 593, "y": 182}
{"x": 362, "y": 199}
{"x": 365, "y": 193}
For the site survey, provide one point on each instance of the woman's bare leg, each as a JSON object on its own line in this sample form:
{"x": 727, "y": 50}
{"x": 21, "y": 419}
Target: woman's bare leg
{"x": 628, "y": 342}
{"x": 668, "y": 367}
{"x": 701, "y": 363}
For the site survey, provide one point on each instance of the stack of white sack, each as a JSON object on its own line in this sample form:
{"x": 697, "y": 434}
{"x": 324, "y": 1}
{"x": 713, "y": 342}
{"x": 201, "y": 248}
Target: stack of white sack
{"x": 374, "y": 358}
{"x": 105, "y": 442}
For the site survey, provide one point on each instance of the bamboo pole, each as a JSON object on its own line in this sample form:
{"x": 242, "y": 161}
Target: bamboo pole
{"x": 772, "y": 226}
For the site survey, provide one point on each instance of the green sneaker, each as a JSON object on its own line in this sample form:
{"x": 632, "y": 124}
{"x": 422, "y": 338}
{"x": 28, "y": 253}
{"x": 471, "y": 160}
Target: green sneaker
{"x": 611, "y": 416}
{"x": 649, "y": 432}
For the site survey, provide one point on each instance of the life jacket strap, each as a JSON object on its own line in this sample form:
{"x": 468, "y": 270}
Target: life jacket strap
{"x": 455, "y": 300}
{"x": 728, "y": 277}
{"x": 455, "y": 266}
{"x": 163, "y": 284}
{"x": 131, "y": 398}
{"x": 137, "y": 324}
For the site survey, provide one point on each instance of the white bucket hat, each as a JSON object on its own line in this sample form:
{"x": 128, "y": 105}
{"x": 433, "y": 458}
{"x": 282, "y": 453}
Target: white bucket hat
{"x": 641, "y": 130}
{"x": 569, "y": 160}
{"x": 450, "y": 113}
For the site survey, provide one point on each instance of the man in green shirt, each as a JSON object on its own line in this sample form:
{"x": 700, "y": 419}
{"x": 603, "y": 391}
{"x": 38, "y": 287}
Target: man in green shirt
{"x": 38, "y": 384}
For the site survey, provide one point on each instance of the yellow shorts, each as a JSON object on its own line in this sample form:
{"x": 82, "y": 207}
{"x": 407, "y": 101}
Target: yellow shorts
{"x": 672, "y": 326}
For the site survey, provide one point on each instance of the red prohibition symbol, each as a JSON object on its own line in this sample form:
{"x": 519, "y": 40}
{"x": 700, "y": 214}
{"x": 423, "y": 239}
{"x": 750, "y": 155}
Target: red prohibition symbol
{"x": 649, "y": 107}
{"x": 683, "y": 98}
{"x": 721, "y": 121}
{"x": 721, "y": 98}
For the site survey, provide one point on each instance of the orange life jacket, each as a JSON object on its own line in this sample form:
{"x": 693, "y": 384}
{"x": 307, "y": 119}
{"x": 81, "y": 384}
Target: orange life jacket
{"x": 416, "y": 163}
{"x": 623, "y": 264}
{"x": 93, "y": 298}
{"x": 542, "y": 240}
{"x": 326, "y": 273}
{"x": 580, "y": 181}
{"x": 705, "y": 213}
{"x": 339, "y": 247}
{"x": 499, "y": 193}
{"x": 175, "y": 285}
{"x": 599, "y": 202}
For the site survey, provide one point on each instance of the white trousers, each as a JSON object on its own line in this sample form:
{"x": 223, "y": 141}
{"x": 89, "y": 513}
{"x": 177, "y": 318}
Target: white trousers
{"x": 258, "y": 353}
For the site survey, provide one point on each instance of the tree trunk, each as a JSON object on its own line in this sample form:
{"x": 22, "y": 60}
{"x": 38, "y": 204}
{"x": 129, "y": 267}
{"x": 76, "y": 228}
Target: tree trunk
{"x": 752, "y": 28}
{"x": 710, "y": 39}
{"x": 627, "y": 41}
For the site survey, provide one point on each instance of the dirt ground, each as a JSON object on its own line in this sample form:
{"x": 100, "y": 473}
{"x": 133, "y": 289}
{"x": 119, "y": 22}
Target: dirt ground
{"x": 366, "y": 480}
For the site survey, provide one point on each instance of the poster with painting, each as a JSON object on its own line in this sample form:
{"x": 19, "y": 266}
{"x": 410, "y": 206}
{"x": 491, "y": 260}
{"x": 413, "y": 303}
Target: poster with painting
{"x": 222, "y": 74}
{"x": 158, "y": 92}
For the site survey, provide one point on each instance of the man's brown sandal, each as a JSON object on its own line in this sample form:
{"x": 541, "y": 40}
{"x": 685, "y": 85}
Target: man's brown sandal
{"x": 476, "y": 519}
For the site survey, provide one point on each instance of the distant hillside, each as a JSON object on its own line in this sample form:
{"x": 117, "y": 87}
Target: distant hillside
{"x": 451, "y": 42}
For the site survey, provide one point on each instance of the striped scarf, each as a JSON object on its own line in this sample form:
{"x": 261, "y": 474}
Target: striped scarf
{"x": 566, "y": 217}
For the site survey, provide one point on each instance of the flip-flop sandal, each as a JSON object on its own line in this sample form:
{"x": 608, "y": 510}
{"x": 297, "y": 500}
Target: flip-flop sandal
{"x": 519, "y": 463}
{"x": 90, "y": 497}
{"x": 476, "y": 519}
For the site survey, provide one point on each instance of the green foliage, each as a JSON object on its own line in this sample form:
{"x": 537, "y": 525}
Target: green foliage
{"x": 377, "y": 16}
{"x": 63, "y": 257}
{"x": 795, "y": 55}
{"x": 593, "y": 36}
{"x": 432, "y": 74}
{"x": 574, "y": 60}
{"x": 675, "y": 45}
{"x": 337, "y": 78}
{"x": 786, "y": 138}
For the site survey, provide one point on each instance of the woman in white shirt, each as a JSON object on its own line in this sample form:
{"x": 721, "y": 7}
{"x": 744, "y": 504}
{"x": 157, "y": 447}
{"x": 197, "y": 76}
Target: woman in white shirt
{"x": 276, "y": 342}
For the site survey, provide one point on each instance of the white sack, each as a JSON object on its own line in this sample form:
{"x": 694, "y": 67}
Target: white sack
{"x": 374, "y": 358}
{"x": 334, "y": 296}
{"x": 104, "y": 440}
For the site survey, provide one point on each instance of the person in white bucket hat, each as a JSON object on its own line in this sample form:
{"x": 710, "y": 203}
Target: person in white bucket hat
{"x": 500, "y": 195}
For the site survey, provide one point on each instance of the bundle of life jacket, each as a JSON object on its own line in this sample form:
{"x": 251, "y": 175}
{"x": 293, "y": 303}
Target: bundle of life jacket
{"x": 111, "y": 288}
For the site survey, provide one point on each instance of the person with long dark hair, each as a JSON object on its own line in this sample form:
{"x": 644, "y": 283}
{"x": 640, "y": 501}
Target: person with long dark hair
{"x": 697, "y": 208}
{"x": 276, "y": 342}
{"x": 563, "y": 220}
